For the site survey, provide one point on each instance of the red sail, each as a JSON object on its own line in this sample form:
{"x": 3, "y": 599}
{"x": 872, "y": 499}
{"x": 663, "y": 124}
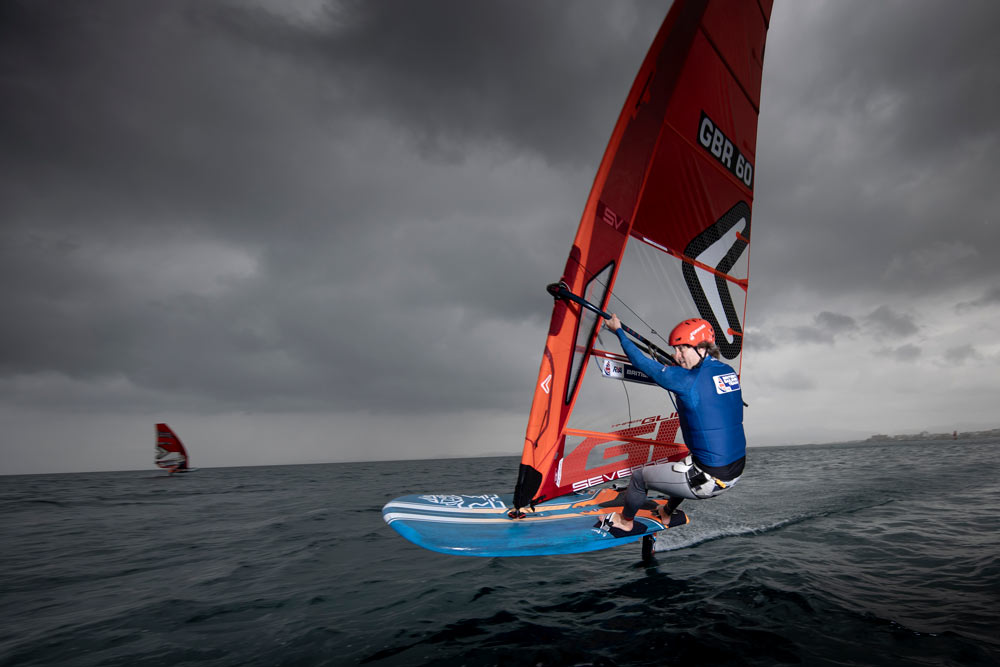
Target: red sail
{"x": 170, "y": 452}
{"x": 670, "y": 205}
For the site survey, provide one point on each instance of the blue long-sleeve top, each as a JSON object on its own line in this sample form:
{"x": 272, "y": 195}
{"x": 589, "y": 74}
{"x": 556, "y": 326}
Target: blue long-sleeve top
{"x": 709, "y": 404}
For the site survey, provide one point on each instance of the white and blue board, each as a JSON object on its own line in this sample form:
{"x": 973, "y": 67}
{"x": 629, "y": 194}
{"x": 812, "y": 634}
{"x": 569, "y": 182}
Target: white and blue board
{"x": 478, "y": 525}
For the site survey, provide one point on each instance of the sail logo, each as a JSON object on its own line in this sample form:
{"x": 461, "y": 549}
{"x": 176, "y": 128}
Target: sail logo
{"x": 610, "y": 218}
{"x": 621, "y": 473}
{"x": 719, "y": 295}
{"x": 602, "y": 457}
{"x": 485, "y": 501}
{"x": 647, "y": 420}
{"x": 727, "y": 383}
{"x": 546, "y": 384}
{"x": 612, "y": 370}
{"x": 722, "y": 149}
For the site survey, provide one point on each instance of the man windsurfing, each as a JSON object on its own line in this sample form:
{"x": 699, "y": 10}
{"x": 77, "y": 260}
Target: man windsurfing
{"x": 709, "y": 402}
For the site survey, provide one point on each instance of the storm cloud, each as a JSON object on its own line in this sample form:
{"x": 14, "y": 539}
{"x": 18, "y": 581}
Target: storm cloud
{"x": 330, "y": 224}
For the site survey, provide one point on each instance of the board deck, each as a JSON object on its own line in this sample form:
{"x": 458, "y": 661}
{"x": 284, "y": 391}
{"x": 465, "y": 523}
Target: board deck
{"x": 478, "y": 525}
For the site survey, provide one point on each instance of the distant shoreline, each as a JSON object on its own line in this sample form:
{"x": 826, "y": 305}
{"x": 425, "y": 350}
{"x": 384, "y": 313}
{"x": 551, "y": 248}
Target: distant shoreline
{"x": 924, "y": 435}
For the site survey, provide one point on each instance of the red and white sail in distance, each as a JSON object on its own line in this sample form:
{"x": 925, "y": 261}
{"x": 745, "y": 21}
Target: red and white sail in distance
{"x": 664, "y": 237}
{"x": 170, "y": 452}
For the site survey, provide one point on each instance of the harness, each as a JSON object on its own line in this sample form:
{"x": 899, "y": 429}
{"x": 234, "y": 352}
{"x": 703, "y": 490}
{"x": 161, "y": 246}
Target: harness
{"x": 690, "y": 481}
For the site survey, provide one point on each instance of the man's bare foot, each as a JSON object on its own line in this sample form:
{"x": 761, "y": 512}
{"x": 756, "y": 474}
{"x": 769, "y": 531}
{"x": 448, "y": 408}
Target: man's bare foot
{"x": 619, "y": 522}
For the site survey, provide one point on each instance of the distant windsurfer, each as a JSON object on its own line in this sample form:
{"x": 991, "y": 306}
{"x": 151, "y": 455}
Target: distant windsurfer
{"x": 710, "y": 407}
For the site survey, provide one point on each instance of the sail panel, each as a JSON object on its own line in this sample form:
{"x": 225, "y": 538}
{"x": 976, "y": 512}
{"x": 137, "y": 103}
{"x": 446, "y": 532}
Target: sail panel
{"x": 737, "y": 30}
{"x": 595, "y": 291}
{"x": 706, "y": 158}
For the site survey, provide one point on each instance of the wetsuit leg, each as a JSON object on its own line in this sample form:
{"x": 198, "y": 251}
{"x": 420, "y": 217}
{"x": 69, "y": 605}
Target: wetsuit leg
{"x": 635, "y": 495}
{"x": 670, "y": 479}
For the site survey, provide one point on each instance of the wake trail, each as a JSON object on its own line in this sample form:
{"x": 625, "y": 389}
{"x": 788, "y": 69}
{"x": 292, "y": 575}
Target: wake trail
{"x": 767, "y": 527}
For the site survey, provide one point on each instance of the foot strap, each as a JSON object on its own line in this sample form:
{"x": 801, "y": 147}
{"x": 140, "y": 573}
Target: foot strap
{"x": 607, "y": 526}
{"x": 678, "y": 518}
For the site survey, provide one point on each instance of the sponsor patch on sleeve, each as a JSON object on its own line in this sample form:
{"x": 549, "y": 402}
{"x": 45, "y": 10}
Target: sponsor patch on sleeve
{"x": 726, "y": 383}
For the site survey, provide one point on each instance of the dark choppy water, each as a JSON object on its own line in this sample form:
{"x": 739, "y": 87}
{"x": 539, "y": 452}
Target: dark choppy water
{"x": 834, "y": 555}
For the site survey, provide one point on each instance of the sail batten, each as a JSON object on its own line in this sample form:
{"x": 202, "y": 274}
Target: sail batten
{"x": 742, "y": 282}
{"x": 666, "y": 233}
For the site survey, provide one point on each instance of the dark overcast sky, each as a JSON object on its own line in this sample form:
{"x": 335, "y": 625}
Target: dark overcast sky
{"x": 321, "y": 231}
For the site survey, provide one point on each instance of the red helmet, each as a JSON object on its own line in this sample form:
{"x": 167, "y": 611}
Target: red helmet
{"x": 692, "y": 332}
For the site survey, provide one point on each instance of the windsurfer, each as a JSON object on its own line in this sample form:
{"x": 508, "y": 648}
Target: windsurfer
{"x": 710, "y": 407}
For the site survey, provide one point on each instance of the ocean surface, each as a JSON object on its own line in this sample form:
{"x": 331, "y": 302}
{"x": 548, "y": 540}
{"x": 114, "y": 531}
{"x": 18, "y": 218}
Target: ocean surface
{"x": 857, "y": 554}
